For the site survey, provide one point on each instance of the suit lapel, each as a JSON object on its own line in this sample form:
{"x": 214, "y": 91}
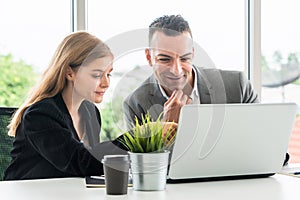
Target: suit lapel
{"x": 155, "y": 95}
{"x": 204, "y": 87}
{"x": 90, "y": 123}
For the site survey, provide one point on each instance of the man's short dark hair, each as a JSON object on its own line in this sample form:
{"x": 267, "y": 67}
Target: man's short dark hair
{"x": 171, "y": 25}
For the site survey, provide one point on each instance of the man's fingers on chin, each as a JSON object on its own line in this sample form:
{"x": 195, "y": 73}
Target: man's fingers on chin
{"x": 189, "y": 101}
{"x": 184, "y": 99}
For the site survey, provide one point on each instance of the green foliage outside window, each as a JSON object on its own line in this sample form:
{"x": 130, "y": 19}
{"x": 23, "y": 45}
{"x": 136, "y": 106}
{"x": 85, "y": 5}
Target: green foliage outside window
{"x": 109, "y": 127}
{"x": 16, "y": 79}
{"x": 280, "y": 69}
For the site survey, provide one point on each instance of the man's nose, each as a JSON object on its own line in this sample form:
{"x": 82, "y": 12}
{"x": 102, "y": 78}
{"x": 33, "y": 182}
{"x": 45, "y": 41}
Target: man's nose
{"x": 177, "y": 67}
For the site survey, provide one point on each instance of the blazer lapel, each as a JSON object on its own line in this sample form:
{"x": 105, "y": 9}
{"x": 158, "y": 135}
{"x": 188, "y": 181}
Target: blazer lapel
{"x": 155, "y": 96}
{"x": 91, "y": 124}
{"x": 204, "y": 87}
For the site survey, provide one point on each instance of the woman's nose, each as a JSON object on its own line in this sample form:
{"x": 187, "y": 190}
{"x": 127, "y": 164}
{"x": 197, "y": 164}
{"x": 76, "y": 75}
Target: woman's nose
{"x": 104, "y": 81}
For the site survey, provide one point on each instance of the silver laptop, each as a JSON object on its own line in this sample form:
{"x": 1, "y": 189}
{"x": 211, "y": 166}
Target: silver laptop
{"x": 230, "y": 141}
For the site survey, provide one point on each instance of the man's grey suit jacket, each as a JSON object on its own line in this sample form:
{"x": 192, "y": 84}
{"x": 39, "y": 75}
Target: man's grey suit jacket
{"x": 215, "y": 86}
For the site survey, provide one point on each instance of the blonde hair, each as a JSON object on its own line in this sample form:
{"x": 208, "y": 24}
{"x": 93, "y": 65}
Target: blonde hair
{"x": 76, "y": 49}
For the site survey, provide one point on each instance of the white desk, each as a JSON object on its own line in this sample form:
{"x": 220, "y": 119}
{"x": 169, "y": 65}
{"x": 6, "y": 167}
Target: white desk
{"x": 277, "y": 187}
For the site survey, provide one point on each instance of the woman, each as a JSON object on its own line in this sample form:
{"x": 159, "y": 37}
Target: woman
{"x": 57, "y": 128}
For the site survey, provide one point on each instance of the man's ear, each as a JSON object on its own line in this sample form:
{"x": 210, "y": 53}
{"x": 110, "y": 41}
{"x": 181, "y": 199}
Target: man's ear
{"x": 70, "y": 75}
{"x": 148, "y": 56}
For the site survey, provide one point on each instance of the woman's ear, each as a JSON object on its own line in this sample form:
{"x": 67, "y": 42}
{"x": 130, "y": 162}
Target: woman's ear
{"x": 148, "y": 56}
{"x": 70, "y": 75}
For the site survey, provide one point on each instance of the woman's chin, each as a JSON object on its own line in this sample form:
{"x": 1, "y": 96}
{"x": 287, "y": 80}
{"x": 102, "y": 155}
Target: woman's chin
{"x": 98, "y": 100}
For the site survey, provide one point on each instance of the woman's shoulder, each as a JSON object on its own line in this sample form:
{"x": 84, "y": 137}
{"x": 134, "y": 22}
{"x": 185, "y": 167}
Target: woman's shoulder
{"x": 51, "y": 106}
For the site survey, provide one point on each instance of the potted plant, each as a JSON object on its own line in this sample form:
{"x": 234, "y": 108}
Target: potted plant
{"x": 149, "y": 143}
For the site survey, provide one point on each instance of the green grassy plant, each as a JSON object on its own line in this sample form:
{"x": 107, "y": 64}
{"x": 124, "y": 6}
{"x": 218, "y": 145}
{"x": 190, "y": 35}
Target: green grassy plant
{"x": 148, "y": 136}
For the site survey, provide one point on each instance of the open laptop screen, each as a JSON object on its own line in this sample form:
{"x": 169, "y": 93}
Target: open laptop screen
{"x": 230, "y": 140}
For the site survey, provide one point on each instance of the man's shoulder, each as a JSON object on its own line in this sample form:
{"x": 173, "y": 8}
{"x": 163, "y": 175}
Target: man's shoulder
{"x": 207, "y": 70}
{"x": 225, "y": 75}
{"x": 143, "y": 90}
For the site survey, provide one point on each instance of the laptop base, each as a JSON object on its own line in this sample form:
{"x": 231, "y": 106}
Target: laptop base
{"x": 222, "y": 178}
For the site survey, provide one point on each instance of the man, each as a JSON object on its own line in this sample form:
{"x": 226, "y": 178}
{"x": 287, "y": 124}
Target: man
{"x": 176, "y": 81}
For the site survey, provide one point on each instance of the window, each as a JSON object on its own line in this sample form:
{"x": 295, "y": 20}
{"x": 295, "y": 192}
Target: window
{"x": 280, "y": 39}
{"x": 30, "y": 33}
{"x": 218, "y": 26}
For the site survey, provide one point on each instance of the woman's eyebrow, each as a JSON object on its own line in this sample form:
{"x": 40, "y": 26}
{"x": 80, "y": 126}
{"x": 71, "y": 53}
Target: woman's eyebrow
{"x": 97, "y": 70}
{"x": 100, "y": 70}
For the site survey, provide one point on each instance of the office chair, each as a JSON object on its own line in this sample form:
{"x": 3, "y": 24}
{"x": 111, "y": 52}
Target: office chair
{"x": 5, "y": 140}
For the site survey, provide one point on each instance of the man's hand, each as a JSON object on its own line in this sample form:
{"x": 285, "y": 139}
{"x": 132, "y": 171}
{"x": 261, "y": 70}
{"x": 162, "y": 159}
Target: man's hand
{"x": 170, "y": 128}
{"x": 173, "y": 105}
